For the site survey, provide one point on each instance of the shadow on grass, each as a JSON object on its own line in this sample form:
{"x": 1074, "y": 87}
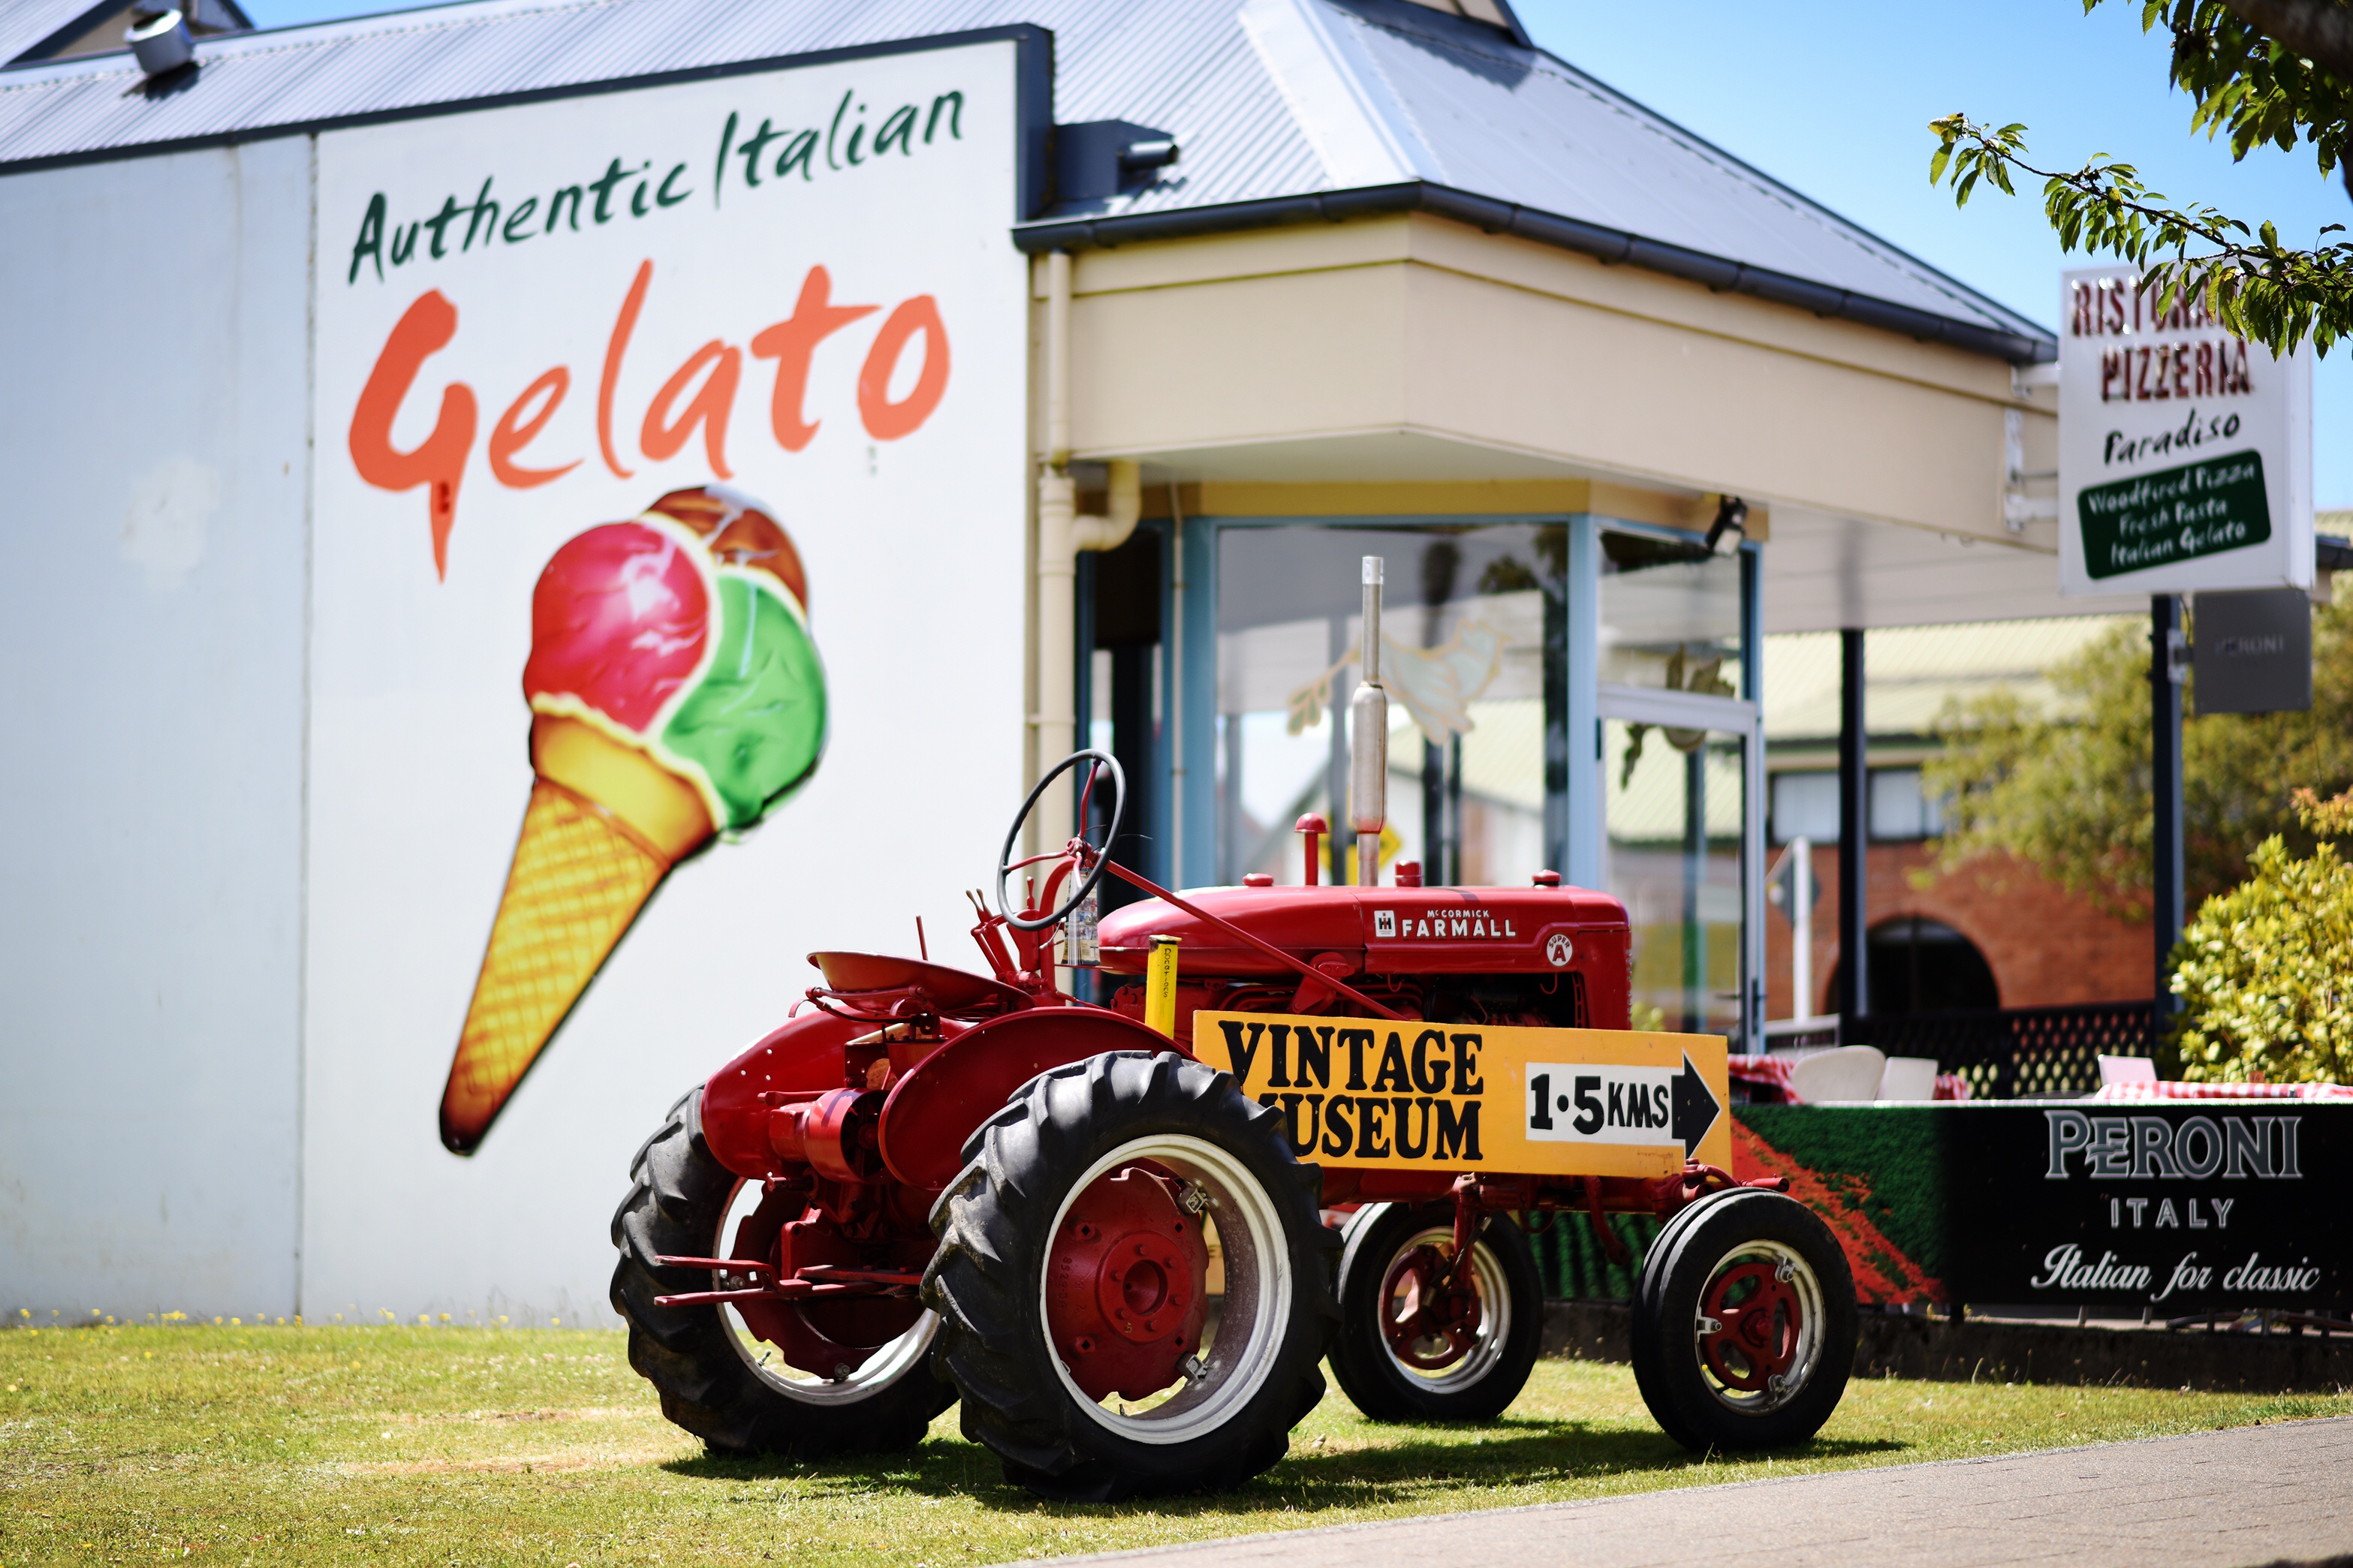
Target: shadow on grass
{"x": 1401, "y": 1465}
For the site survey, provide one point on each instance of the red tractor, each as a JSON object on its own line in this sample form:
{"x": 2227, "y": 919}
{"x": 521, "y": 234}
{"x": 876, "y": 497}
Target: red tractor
{"x": 1098, "y": 1226}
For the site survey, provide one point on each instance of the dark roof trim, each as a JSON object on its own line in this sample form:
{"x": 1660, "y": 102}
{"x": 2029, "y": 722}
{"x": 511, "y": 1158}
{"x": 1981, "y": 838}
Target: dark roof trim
{"x": 209, "y": 19}
{"x": 1608, "y": 244}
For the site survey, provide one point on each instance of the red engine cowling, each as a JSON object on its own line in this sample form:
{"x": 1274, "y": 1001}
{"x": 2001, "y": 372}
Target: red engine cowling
{"x": 1544, "y": 955}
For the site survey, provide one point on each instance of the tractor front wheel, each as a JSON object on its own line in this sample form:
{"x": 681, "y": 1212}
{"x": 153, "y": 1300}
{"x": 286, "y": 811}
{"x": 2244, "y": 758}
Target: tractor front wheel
{"x": 717, "y": 1377}
{"x": 1095, "y": 1348}
{"x": 1744, "y": 1326}
{"x": 1420, "y": 1342}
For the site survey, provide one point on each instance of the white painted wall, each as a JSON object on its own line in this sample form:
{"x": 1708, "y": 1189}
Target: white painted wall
{"x": 153, "y": 433}
{"x": 264, "y": 764}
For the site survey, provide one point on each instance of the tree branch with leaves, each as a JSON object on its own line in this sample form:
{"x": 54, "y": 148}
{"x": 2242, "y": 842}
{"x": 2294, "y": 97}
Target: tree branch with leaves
{"x": 2267, "y": 71}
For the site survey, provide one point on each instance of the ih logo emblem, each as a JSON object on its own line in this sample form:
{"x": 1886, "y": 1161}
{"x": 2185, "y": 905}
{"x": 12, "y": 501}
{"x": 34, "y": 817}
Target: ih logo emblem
{"x": 1385, "y": 922}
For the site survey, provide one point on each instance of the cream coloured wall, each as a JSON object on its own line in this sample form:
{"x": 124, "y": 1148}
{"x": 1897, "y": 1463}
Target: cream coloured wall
{"x": 1415, "y": 348}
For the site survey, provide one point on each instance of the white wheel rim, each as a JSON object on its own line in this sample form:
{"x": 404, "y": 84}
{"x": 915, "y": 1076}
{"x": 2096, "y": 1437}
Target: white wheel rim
{"x": 884, "y": 1367}
{"x": 1809, "y": 1351}
{"x": 1494, "y": 1330}
{"x": 1257, "y": 1302}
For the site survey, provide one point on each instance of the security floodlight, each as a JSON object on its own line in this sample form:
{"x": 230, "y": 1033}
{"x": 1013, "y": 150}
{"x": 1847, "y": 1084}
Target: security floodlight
{"x": 1730, "y": 527}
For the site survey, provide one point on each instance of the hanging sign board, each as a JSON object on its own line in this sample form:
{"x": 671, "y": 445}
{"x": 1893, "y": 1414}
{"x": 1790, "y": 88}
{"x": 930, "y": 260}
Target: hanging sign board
{"x": 2254, "y": 652}
{"x": 1456, "y": 1097}
{"x": 2185, "y": 453}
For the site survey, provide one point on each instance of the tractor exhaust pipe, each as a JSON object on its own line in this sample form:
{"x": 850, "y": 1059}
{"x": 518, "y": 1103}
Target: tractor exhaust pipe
{"x": 1368, "y": 740}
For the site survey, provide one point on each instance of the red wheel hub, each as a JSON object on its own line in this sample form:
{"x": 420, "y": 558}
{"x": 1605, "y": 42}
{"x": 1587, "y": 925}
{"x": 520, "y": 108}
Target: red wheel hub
{"x": 1430, "y": 1320}
{"x": 1758, "y": 1316}
{"x": 1126, "y": 1286}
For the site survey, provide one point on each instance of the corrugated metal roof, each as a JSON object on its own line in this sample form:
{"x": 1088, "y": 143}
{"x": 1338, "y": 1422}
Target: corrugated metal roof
{"x": 1285, "y": 109}
{"x": 1913, "y": 671}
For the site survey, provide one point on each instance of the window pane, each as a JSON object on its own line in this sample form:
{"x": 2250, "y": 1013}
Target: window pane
{"x": 1471, "y": 620}
{"x": 1805, "y": 806}
{"x": 1669, "y": 616}
{"x": 1674, "y": 811}
{"x": 1896, "y": 808}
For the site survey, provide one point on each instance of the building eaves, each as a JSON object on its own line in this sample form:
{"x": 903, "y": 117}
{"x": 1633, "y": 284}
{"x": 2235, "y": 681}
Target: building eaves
{"x": 1721, "y": 274}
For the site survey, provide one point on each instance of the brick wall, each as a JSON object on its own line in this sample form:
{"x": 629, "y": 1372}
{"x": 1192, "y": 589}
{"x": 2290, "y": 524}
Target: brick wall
{"x": 2046, "y": 947}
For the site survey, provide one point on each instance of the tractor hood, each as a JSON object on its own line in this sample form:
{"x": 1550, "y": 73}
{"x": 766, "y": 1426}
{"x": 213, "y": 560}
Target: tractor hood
{"x": 1377, "y": 930}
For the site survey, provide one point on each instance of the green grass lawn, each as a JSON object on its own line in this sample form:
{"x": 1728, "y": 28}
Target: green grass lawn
{"x": 301, "y": 1445}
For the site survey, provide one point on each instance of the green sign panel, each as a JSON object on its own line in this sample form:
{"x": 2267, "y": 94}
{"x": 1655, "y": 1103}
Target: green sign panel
{"x": 2177, "y": 514}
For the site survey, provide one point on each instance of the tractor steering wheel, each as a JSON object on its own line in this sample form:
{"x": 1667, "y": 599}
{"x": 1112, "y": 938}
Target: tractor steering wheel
{"x": 1090, "y": 859}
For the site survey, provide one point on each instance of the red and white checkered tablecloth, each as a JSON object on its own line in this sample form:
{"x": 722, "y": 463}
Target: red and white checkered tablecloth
{"x": 1773, "y": 1072}
{"x": 2143, "y": 1092}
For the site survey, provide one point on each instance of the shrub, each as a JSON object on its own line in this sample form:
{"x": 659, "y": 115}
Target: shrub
{"x": 2266, "y": 971}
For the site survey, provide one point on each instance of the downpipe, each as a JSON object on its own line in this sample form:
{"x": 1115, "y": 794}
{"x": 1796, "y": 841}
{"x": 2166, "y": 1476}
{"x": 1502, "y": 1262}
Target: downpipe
{"x": 1062, "y": 532}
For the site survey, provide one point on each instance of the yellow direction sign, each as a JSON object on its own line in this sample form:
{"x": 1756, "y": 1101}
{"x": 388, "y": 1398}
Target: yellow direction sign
{"x": 1460, "y": 1097}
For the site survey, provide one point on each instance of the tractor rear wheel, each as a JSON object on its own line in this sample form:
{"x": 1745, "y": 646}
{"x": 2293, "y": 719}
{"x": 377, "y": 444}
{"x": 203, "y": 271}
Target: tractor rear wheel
{"x": 1406, "y": 1352}
{"x": 1094, "y": 1349}
{"x": 716, "y": 1379}
{"x": 1744, "y": 1326}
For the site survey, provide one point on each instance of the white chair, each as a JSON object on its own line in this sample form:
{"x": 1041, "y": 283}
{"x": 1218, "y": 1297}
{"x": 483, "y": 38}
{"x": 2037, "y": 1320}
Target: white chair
{"x": 1908, "y": 1077}
{"x": 2126, "y": 1069}
{"x": 1850, "y": 1072}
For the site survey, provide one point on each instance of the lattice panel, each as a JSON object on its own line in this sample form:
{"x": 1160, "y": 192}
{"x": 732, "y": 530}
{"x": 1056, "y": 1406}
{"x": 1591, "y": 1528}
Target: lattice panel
{"x": 2019, "y": 1053}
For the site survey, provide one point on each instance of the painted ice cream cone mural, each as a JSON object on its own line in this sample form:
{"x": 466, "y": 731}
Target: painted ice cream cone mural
{"x": 676, "y": 694}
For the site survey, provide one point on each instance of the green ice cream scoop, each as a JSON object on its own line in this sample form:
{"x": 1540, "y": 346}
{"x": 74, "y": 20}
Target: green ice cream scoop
{"x": 756, "y": 723}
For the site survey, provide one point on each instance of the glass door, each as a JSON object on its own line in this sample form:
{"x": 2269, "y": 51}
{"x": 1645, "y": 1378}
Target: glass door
{"x": 1680, "y": 756}
{"x": 1472, "y": 657}
{"x": 1676, "y": 803}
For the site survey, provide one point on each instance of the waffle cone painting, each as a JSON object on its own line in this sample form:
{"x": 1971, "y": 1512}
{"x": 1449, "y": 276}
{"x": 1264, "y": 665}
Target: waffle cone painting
{"x": 675, "y": 692}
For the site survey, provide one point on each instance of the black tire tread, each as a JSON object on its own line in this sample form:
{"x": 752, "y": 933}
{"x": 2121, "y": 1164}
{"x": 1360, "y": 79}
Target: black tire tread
{"x": 678, "y": 1195}
{"x": 992, "y": 1222}
{"x": 1674, "y": 1392}
{"x": 1360, "y": 1362}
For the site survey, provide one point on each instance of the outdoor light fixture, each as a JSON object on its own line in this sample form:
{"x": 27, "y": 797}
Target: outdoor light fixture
{"x": 1097, "y": 159}
{"x": 1151, "y": 153}
{"x": 163, "y": 43}
{"x": 1730, "y": 527}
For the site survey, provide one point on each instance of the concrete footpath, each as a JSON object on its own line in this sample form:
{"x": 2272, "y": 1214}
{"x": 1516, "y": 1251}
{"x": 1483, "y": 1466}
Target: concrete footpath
{"x": 2256, "y": 1494}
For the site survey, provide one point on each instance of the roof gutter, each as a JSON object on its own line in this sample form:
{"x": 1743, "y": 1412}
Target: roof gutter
{"x": 1609, "y": 245}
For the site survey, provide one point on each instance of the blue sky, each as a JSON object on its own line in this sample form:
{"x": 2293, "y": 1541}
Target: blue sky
{"x": 1834, "y": 99}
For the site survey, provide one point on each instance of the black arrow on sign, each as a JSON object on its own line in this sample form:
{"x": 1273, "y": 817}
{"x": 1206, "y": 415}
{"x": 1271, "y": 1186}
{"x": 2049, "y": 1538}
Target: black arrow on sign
{"x": 1695, "y": 1109}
